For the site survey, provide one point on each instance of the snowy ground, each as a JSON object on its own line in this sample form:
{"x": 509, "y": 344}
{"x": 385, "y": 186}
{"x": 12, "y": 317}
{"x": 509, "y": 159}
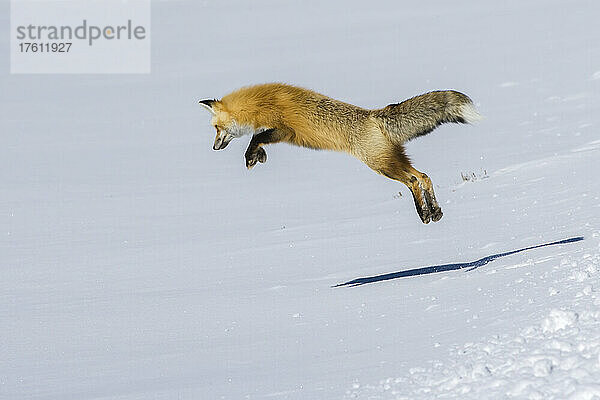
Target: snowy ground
{"x": 137, "y": 263}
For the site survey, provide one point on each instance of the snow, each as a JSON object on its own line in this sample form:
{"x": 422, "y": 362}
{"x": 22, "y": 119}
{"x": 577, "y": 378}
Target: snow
{"x": 557, "y": 357}
{"x": 136, "y": 262}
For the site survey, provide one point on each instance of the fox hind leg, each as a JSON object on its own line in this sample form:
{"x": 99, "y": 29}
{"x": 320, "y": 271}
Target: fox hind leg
{"x": 420, "y": 204}
{"x": 396, "y": 165}
{"x": 428, "y": 193}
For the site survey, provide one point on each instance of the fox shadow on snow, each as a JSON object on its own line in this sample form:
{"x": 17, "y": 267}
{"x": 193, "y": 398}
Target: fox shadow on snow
{"x": 448, "y": 267}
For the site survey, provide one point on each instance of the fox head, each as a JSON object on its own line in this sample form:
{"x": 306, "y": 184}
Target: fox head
{"x": 220, "y": 121}
{"x": 225, "y": 124}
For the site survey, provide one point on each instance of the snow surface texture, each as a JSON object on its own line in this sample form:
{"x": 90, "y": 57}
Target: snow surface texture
{"x": 558, "y": 357}
{"x": 138, "y": 263}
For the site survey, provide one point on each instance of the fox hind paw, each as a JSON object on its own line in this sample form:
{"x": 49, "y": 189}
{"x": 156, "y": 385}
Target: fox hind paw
{"x": 437, "y": 215}
{"x": 425, "y": 216}
{"x": 430, "y": 213}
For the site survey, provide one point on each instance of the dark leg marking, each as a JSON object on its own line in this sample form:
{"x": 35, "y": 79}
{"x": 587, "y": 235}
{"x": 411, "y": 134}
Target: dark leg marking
{"x": 255, "y": 153}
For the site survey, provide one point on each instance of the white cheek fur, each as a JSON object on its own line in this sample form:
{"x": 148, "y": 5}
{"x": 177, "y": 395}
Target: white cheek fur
{"x": 237, "y": 130}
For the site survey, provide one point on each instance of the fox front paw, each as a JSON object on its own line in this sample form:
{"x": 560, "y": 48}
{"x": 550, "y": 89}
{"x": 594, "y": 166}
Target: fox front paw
{"x": 259, "y": 155}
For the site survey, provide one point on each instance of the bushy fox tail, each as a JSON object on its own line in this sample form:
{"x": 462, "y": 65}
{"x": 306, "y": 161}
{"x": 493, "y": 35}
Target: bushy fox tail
{"x": 421, "y": 114}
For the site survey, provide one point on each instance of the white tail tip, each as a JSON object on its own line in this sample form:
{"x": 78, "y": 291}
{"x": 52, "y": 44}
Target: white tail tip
{"x": 470, "y": 114}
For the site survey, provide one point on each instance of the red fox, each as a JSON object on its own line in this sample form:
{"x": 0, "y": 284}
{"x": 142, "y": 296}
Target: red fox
{"x": 276, "y": 112}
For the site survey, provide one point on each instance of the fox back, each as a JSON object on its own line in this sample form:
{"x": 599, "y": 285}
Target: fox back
{"x": 312, "y": 119}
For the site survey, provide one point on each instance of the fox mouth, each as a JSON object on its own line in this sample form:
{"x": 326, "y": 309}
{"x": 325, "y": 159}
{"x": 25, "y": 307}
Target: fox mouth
{"x": 221, "y": 142}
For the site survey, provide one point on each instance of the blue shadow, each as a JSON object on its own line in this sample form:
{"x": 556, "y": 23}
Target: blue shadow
{"x": 447, "y": 267}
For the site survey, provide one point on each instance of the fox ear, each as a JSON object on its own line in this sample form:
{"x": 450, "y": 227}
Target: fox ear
{"x": 209, "y": 104}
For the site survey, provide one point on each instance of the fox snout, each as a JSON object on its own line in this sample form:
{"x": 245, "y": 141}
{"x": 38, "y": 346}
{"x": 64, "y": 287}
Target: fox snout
{"x": 222, "y": 140}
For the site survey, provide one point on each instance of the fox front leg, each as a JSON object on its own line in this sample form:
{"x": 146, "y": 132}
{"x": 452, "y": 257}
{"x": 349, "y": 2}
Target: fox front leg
{"x": 254, "y": 156}
{"x": 255, "y": 153}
